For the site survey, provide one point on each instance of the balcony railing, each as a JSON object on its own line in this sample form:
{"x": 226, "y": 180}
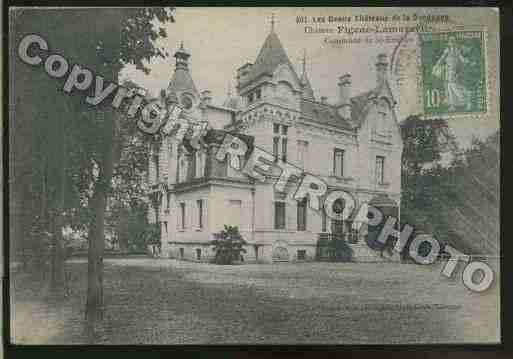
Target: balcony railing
{"x": 349, "y": 237}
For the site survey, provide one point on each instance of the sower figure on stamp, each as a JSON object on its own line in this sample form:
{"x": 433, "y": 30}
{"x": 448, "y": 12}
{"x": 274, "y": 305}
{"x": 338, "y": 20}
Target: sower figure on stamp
{"x": 447, "y": 69}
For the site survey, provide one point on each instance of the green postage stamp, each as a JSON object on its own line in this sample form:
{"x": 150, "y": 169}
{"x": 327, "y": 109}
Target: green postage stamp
{"x": 453, "y": 73}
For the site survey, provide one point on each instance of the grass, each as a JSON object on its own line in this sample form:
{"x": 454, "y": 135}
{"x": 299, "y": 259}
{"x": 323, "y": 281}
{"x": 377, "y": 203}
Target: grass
{"x": 164, "y": 301}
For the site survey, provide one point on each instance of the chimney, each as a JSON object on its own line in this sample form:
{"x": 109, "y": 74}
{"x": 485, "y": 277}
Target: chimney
{"x": 242, "y": 73}
{"x": 344, "y": 100}
{"x": 206, "y": 97}
{"x": 324, "y": 99}
{"x": 344, "y": 89}
{"x": 381, "y": 69}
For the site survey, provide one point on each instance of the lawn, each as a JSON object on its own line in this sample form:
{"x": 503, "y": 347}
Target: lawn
{"x": 151, "y": 301}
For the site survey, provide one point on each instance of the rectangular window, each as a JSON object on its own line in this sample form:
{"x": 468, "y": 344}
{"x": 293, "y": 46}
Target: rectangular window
{"x": 284, "y": 149}
{"x": 250, "y": 98}
{"x": 192, "y": 165}
{"x": 301, "y": 254}
{"x": 324, "y": 220}
{"x": 168, "y": 200}
{"x": 258, "y": 94}
{"x": 165, "y": 226}
{"x": 178, "y": 169}
{"x": 338, "y": 162}
{"x": 157, "y": 166}
{"x": 156, "y": 210}
{"x": 279, "y": 215}
{"x": 199, "y": 202}
{"x": 198, "y": 253}
{"x": 276, "y": 128}
{"x": 301, "y": 215}
{"x": 302, "y": 154}
{"x": 380, "y": 169}
{"x": 284, "y": 130}
{"x": 182, "y": 213}
{"x": 276, "y": 147}
{"x": 183, "y": 168}
{"x": 181, "y": 252}
{"x": 200, "y": 165}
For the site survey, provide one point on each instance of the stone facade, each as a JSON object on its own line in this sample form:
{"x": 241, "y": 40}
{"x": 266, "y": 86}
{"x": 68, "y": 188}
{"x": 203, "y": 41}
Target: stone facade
{"x": 353, "y": 144}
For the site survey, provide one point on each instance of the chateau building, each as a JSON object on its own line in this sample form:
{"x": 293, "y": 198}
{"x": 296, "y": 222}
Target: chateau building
{"x": 353, "y": 143}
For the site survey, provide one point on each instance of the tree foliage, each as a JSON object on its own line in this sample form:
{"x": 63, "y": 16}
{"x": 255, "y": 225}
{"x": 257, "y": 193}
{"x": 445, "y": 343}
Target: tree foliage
{"x": 98, "y": 153}
{"x": 447, "y": 192}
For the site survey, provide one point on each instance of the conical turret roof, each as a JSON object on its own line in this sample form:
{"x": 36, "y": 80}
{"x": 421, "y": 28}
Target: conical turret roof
{"x": 271, "y": 55}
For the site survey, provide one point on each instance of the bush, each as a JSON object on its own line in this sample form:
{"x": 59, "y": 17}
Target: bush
{"x": 340, "y": 251}
{"x": 228, "y": 245}
{"x": 333, "y": 249}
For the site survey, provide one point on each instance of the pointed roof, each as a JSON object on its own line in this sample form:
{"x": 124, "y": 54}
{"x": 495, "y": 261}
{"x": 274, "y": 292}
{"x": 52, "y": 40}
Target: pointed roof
{"x": 308, "y": 93}
{"x": 271, "y": 55}
{"x": 182, "y": 80}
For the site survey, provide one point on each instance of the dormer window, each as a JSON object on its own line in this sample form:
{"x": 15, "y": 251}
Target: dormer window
{"x": 250, "y": 98}
{"x": 258, "y": 94}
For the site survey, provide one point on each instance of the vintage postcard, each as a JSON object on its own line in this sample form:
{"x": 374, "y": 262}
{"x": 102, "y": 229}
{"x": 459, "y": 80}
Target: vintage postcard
{"x": 254, "y": 175}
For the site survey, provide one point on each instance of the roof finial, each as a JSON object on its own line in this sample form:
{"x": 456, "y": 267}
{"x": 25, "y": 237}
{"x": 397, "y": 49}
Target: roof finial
{"x": 272, "y": 22}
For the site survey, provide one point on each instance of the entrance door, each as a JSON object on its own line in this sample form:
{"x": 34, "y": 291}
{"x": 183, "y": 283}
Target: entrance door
{"x": 280, "y": 254}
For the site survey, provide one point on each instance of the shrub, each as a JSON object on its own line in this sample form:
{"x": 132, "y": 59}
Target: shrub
{"x": 340, "y": 251}
{"x": 228, "y": 245}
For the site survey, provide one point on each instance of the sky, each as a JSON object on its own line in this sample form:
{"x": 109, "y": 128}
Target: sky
{"x": 220, "y": 40}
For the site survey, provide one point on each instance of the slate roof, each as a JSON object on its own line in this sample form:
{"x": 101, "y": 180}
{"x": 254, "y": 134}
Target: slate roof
{"x": 182, "y": 81}
{"x": 323, "y": 114}
{"x": 327, "y": 114}
{"x": 271, "y": 55}
{"x": 358, "y": 105}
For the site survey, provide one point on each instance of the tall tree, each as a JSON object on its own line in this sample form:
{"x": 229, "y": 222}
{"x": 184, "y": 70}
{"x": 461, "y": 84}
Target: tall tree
{"x": 450, "y": 193}
{"x": 427, "y": 143}
{"x": 108, "y": 42}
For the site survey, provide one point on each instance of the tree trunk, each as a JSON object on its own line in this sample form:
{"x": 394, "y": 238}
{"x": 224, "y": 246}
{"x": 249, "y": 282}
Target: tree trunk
{"x": 96, "y": 238}
{"x": 58, "y": 276}
{"x": 123, "y": 243}
{"x": 94, "y": 303}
